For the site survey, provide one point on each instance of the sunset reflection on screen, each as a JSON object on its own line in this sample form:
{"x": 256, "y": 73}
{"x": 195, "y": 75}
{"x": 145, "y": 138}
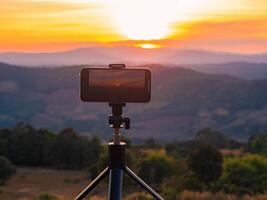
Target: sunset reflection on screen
{"x": 117, "y": 78}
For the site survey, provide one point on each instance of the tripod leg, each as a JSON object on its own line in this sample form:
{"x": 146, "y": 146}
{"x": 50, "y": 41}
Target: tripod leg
{"x": 115, "y": 184}
{"x": 93, "y": 184}
{"x": 142, "y": 184}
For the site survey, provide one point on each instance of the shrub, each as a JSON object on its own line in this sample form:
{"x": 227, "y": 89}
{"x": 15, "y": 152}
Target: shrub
{"x": 6, "y": 170}
{"x": 150, "y": 143}
{"x": 206, "y": 163}
{"x": 258, "y": 144}
{"x": 24, "y": 145}
{"x": 46, "y": 197}
{"x": 245, "y": 175}
{"x": 169, "y": 192}
{"x": 212, "y": 137}
{"x": 139, "y": 196}
{"x": 188, "y": 195}
{"x": 155, "y": 167}
{"x": 69, "y": 150}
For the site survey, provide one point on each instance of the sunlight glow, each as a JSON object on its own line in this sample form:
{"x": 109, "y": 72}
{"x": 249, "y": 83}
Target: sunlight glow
{"x": 144, "y": 19}
{"x": 54, "y": 25}
{"x": 154, "y": 19}
{"x": 148, "y": 46}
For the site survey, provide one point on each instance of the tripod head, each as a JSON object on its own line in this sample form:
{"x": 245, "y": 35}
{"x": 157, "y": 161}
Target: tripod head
{"x": 116, "y": 120}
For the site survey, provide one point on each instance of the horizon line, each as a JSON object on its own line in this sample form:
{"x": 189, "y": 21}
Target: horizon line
{"x": 133, "y": 47}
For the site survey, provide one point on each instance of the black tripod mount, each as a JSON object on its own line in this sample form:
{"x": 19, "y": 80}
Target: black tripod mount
{"x": 116, "y": 164}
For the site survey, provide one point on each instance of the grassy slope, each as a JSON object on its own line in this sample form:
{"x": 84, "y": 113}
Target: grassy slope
{"x": 33, "y": 182}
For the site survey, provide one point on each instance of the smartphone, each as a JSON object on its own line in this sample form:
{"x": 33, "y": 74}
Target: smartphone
{"x": 126, "y": 85}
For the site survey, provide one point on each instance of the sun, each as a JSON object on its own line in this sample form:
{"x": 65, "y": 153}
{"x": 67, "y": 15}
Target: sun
{"x": 147, "y": 45}
{"x": 156, "y": 19}
{"x": 144, "y": 19}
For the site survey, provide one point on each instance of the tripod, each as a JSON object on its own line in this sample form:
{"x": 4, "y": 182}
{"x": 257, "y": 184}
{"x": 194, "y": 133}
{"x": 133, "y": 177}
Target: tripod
{"x": 116, "y": 164}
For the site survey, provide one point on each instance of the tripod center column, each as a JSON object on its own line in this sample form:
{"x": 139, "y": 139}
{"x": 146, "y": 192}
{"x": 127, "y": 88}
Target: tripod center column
{"x": 116, "y": 136}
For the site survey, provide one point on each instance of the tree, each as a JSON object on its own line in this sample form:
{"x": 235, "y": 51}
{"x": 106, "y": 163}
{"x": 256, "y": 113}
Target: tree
{"x": 173, "y": 149}
{"x": 98, "y": 166}
{"x": 151, "y": 143}
{"x": 206, "y": 163}
{"x": 69, "y": 150}
{"x": 155, "y": 167}
{"x": 6, "y": 170}
{"x": 127, "y": 140}
{"x": 216, "y": 139}
{"x": 66, "y": 150}
{"x": 91, "y": 150}
{"x": 25, "y": 145}
{"x": 245, "y": 175}
{"x": 258, "y": 144}
{"x": 4, "y": 141}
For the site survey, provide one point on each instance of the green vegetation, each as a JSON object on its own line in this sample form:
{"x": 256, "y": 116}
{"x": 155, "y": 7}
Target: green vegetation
{"x": 258, "y": 144}
{"x": 155, "y": 167}
{"x": 46, "y": 197}
{"x": 245, "y": 175}
{"x": 206, "y": 163}
{"x": 6, "y": 170}
{"x": 68, "y": 150}
{"x": 72, "y": 181}
{"x": 199, "y": 165}
{"x": 216, "y": 139}
{"x": 139, "y": 196}
{"x": 26, "y": 146}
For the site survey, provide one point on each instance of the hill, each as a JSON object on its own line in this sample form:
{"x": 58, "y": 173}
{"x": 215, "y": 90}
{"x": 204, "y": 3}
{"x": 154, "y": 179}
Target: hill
{"x": 183, "y": 101}
{"x": 30, "y": 183}
{"x": 129, "y": 55}
{"x": 243, "y": 70}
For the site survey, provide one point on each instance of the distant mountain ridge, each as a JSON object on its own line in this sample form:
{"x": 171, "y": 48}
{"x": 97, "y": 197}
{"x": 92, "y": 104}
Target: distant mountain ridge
{"x": 183, "y": 101}
{"x": 129, "y": 55}
{"x": 243, "y": 70}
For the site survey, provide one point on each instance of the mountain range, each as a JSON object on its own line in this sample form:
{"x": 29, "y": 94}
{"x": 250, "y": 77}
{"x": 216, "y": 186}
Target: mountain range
{"x": 243, "y": 70}
{"x": 128, "y": 55}
{"x": 183, "y": 102}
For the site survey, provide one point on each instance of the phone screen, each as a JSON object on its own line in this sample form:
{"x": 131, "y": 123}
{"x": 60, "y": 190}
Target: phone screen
{"x": 115, "y": 85}
{"x": 117, "y": 79}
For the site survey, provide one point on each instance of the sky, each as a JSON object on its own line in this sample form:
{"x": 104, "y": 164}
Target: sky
{"x": 59, "y": 25}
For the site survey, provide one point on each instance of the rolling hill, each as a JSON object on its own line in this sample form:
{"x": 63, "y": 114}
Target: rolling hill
{"x": 243, "y": 70}
{"x": 183, "y": 101}
{"x": 129, "y": 55}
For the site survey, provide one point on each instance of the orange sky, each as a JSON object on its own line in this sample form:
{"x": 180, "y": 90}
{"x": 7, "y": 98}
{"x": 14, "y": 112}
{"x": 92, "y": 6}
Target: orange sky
{"x": 56, "y": 25}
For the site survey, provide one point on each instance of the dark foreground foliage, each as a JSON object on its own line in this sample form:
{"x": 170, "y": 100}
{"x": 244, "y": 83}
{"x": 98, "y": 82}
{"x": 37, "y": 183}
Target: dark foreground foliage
{"x": 6, "y": 169}
{"x": 206, "y": 163}
{"x": 26, "y": 146}
{"x": 199, "y": 165}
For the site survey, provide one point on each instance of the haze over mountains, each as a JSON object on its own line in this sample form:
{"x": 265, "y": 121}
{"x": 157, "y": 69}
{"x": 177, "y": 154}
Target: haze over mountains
{"x": 129, "y": 55}
{"x": 243, "y": 70}
{"x": 193, "y": 89}
{"x": 183, "y": 101}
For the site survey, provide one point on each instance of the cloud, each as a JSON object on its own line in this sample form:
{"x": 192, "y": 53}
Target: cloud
{"x": 247, "y": 35}
{"x": 44, "y": 6}
{"x": 48, "y": 25}
{"x": 229, "y": 29}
